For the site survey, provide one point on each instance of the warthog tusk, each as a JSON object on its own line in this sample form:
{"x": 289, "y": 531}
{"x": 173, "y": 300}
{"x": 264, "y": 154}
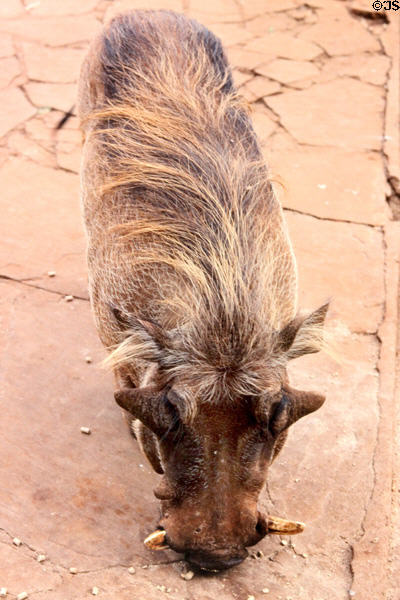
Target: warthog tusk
{"x": 283, "y": 526}
{"x": 156, "y": 540}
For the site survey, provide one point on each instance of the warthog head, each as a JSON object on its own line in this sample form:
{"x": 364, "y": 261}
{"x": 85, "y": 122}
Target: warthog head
{"x": 214, "y": 451}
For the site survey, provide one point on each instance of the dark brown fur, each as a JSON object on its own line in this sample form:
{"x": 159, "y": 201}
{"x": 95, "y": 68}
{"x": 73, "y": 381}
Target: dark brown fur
{"x": 192, "y": 276}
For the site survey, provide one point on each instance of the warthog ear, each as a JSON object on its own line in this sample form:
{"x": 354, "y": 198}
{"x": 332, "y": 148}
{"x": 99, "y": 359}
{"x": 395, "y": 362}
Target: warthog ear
{"x": 146, "y": 327}
{"x": 145, "y": 339}
{"x": 148, "y": 405}
{"x": 303, "y": 335}
{"x": 293, "y": 405}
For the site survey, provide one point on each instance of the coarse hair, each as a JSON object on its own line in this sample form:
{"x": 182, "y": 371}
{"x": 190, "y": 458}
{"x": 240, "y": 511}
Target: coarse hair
{"x": 178, "y": 136}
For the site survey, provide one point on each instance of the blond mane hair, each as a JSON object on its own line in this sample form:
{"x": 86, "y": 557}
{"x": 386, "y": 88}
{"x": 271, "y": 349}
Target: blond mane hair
{"x": 178, "y": 137}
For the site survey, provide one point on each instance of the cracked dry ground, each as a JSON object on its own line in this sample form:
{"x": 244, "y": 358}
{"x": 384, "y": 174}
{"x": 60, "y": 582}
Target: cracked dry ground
{"x": 322, "y": 79}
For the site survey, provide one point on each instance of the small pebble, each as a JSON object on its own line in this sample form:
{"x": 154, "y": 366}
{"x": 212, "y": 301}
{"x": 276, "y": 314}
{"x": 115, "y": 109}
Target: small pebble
{"x": 22, "y": 596}
{"x": 86, "y": 430}
{"x": 32, "y": 5}
{"x": 283, "y": 543}
{"x": 17, "y": 542}
{"x": 250, "y": 598}
{"x": 3, "y": 591}
{"x": 40, "y": 557}
{"x": 68, "y": 298}
{"x": 51, "y": 273}
{"x": 95, "y": 590}
{"x": 265, "y": 590}
{"x": 188, "y": 575}
{"x": 132, "y": 570}
{"x": 73, "y": 570}
{"x": 88, "y": 359}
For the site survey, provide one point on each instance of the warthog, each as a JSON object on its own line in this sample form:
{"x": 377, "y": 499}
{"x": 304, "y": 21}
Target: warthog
{"x": 192, "y": 279}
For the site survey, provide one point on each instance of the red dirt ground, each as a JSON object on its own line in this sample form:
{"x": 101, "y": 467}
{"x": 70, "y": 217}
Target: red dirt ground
{"x": 322, "y": 78}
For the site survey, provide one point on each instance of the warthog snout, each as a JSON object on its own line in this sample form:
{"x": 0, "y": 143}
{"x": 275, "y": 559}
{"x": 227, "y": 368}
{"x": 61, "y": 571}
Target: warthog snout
{"x": 211, "y": 545}
{"x": 219, "y": 559}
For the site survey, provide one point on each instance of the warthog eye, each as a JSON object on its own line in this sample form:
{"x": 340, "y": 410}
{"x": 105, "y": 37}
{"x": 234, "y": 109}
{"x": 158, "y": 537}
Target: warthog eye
{"x": 279, "y": 419}
{"x": 170, "y": 401}
{"x": 292, "y": 406}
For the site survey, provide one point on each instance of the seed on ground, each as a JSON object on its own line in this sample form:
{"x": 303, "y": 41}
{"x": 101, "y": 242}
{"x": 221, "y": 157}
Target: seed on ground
{"x": 95, "y": 590}
{"x": 284, "y": 543}
{"x": 188, "y": 575}
{"x": 32, "y": 5}
{"x": 265, "y": 590}
{"x": 3, "y": 591}
{"x": 68, "y": 298}
{"x": 40, "y": 557}
{"x": 73, "y": 570}
{"x": 17, "y": 542}
{"x": 304, "y": 555}
{"x": 86, "y": 430}
{"x": 162, "y": 588}
{"x": 88, "y": 359}
{"x": 51, "y": 273}
{"x": 132, "y": 570}
{"x": 22, "y": 596}
{"x": 250, "y": 598}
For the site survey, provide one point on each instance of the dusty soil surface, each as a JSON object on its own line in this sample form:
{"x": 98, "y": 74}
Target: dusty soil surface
{"x": 322, "y": 79}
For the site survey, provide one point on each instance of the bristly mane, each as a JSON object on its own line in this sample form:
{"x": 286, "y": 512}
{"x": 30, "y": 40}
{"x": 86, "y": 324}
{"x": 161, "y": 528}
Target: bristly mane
{"x": 178, "y": 136}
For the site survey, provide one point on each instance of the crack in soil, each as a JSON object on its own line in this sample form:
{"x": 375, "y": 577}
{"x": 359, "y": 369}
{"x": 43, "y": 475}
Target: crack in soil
{"x": 300, "y": 212}
{"x": 57, "y": 567}
{"x": 390, "y": 178}
{"x": 48, "y": 562}
{"x": 379, "y": 405}
{"x": 385, "y": 282}
{"x": 350, "y": 559}
{"x": 24, "y": 281}
{"x": 362, "y": 533}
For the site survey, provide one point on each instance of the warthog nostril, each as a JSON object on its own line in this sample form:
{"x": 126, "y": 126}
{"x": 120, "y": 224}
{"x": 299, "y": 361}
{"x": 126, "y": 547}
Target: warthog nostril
{"x": 207, "y": 562}
{"x": 259, "y": 531}
{"x": 261, "y": 526}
